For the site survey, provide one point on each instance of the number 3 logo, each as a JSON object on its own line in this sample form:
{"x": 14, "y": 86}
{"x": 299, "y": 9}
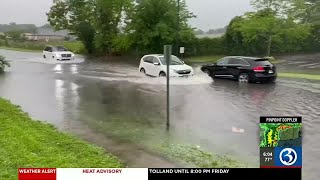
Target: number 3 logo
{"x": 288, "y": 156}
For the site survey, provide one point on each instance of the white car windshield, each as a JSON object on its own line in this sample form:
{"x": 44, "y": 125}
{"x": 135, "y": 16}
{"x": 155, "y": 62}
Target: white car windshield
{"x": 174, "y": 60}
{"x": 60, "y": 48}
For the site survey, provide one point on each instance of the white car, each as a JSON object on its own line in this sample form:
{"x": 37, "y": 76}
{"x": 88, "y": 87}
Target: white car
{"x": 58, "y": 53}
{"x": 156, "y": 65}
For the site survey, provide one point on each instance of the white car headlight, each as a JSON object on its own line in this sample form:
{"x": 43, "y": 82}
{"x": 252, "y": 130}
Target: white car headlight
{"x": 58, "y": 55}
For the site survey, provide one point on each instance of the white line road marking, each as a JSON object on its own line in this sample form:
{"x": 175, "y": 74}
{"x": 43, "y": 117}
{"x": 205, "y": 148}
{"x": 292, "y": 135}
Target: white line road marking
{"x": 313, "y": 67}
{"x": 308, "y": 65}
{"x": 299, "y": 62}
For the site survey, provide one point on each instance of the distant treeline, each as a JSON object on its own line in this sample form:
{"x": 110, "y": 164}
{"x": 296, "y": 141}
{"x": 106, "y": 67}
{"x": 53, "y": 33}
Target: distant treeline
{"x": 141, "y": 27}
{"x": 26, "y": 28}
{"x": 276, "y": 26}
{"x": 211, "y": 31}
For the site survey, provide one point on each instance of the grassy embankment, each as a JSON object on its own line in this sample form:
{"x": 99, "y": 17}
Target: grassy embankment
{"x": 31, "y": 46}
{"x": 203, "y": 59}
{"x": 18, "y": 49}
{"x": 213, "y": 58}
{"x": 300, "y": 76}
{"x": 28, "y": 143}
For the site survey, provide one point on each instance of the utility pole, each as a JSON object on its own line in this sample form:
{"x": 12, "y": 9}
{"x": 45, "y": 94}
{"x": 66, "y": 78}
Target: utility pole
{"x": 167, "y": 55}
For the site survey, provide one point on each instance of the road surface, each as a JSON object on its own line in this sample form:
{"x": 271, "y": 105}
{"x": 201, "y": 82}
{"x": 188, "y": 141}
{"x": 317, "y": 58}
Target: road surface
{"x": 116, "y": 107}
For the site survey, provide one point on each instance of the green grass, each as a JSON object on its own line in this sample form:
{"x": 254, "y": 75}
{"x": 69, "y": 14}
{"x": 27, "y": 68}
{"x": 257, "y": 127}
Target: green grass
{"x": 300, "y": 76}
{"x": 28, "y": 143}
{"x": 214, "y": 58}
{"x": 153, "y": 137}
{"x": 76, "y": 47}
{"x": 203, "y": 59}
{"x": 19, "y": 49}
{"x": 198, "y": 157}
{"x": 34, "y": 46}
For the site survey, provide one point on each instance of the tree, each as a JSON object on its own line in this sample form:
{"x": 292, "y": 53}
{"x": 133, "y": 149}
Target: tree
{"x": 3, "y": 63}
{"x": 25, "y": 28}
{"x": 95, "y": 22}
{"x": 110, "y": 14}
{"x": 199, "y": 32}
{"x": 261, "y": 26}
{"x": 154, "y": 23}
{"x": 78, "y": 16}
{"x": 306, "y": 11}
{"x": 14, "y": 35}
{"x": 273, "y": 18}
{"x": 313, "y": 17}
{"x": 46, "y": 26}
{"x": 315, "y": 12}
{"x": 233, "y": 37}
{"x": 260, "y": 32}
{"x": 217, "y": 31}
{"x": 278, "y": 7}
{"x": 86, "y": 33}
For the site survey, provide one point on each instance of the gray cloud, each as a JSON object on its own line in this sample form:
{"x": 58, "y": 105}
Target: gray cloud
{"x": 210, "y": 13}
{"x": 213, "y": 14}
{"x": 24, "y": 11}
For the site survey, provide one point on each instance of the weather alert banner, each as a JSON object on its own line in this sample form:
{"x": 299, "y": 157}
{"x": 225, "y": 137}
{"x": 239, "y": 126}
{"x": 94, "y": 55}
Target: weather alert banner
{"x": 158, "y": 173}
{"x": 82, "y": 174}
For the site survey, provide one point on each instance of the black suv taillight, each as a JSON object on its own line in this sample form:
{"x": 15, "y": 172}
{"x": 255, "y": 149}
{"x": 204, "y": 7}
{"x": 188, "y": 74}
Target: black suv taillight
{"x": 258, "y": 69}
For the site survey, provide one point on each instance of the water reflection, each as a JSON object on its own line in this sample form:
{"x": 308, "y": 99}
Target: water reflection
{"x": 122, "y": 110}
{"x": 204, "y": 115}
{"x": 74, "y": 69}
{"x": 58, "y": 68}
{"x": 66, "y": 68}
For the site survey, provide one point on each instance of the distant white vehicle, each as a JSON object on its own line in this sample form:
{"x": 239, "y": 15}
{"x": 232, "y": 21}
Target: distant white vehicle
{"x": 156, "y": 65}
{"x": 58, "y": 53}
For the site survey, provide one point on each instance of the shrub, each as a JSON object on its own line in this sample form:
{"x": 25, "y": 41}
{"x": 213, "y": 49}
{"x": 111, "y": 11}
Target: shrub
{"x": 75, "y": 46}
{"x": 3, "y": 63}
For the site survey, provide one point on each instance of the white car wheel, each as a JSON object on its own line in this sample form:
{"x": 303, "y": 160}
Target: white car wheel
{"x": 162, "y": 74}
{"x": 143, "y": 71}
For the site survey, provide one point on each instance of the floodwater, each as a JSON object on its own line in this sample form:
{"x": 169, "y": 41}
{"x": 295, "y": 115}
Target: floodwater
{"x": 114, "y": 106}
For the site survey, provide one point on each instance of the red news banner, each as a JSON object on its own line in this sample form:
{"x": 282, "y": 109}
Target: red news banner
{"x": 37, "y": 173}
{"x": 82, "y": 173}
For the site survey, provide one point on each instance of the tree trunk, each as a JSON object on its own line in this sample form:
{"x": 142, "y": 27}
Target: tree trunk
{"x": 269, "y": 45}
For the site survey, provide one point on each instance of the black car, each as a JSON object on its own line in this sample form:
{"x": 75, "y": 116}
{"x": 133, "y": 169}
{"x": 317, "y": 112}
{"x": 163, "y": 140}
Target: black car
{"x": 243, "y": 69}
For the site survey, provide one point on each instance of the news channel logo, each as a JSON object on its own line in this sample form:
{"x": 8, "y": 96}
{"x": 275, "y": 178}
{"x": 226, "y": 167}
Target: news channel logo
{"x": 288, "y": 156}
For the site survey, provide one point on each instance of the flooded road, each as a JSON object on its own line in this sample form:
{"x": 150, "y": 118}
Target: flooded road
{"x": 305, "y": 63}
{"x": 114, "y": 106}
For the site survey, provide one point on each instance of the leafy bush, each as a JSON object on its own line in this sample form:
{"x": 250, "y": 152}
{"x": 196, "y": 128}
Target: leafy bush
{"x": 3, "y": 63}
{"x": 75, "y": 46}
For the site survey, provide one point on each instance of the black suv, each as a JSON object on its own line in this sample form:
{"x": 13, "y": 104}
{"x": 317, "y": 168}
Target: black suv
{"x": 243, "y": 69}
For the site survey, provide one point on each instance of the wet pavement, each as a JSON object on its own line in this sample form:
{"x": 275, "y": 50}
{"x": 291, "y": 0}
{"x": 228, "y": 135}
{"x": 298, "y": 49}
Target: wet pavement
{"x": 114, "y": 106}
{"x": 305, "y": 63}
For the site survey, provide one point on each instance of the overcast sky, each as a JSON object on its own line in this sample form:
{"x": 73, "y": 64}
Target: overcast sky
{"x": 210, "y": 13}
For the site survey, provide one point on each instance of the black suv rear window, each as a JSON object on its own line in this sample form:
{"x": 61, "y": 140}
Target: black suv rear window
{"x": 263, "y": 62}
